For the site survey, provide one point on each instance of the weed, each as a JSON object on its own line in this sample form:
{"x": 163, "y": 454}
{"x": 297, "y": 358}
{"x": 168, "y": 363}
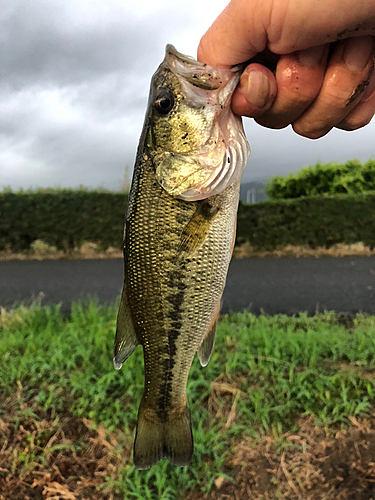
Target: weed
{"x": 265, "y": 375}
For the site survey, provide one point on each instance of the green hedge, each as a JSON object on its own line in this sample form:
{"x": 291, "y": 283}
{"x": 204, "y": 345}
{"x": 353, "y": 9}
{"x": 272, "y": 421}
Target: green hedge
{"x": 64, "y": 218}
{"x": 353, "y": 177}
{"x": 67, "y": 218}
{"x": 315, "y": 221}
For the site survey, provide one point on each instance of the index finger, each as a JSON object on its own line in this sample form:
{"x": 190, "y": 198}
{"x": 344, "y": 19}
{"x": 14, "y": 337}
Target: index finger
{"x": 247, "y": 27}
{"x": 228, "y": 42}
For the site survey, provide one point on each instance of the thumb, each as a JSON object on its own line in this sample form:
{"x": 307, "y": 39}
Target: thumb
{"x": 256, "y": 91}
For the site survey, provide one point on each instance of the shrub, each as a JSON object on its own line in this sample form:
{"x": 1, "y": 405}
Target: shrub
{"x": 351, "y": 178}
{"x": 66, "y": 219}
{"x": 63, "y": 218}
{"x": 316, "y": 221}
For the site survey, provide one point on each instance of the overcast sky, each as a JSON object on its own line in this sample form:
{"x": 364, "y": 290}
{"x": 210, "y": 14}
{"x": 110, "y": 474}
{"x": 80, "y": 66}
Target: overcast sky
{"x": 74, "y": 84}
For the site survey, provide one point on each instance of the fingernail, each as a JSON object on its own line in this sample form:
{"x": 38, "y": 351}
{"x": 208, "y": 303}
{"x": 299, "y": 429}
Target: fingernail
{"x": 311, "y": 56}
{"x": 258, "y": 89}
{"x": 358, "y": 52}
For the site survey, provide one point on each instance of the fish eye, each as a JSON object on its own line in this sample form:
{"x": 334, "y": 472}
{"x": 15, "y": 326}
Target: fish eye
{"x": 164, "y": 102}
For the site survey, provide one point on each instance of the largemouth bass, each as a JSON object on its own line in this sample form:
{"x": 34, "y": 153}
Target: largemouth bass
{"x": 178, "y": 240}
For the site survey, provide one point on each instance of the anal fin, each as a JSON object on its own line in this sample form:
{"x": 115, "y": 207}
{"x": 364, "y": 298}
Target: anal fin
{"x": 126, "y": 340}
{"x": 207, "y": 345}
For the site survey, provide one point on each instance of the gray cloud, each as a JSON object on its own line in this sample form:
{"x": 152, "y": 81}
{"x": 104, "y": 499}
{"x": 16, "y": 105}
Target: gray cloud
{"x": 74, "y": 79}
{"x": 54, "y": 43}
{"x": 279, "y": 152}
{"x": 73, "y": 90}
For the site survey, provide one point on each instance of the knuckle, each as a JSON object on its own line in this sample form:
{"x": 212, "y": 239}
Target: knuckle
{"x": 361, "y": 115}
{"x": 274, "y": 122}
{"x": 356, "y": 121}
{"x": 309, "y": 131}
{"x": 305, "y": 94}
{"x": 298, "y": 84}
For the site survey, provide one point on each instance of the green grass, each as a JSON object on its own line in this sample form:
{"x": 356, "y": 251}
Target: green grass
{"x": 268, "y": 372}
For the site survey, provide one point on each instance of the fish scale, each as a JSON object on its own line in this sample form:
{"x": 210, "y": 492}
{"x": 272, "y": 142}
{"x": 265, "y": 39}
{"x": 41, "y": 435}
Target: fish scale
{"x": 176, "y": 256}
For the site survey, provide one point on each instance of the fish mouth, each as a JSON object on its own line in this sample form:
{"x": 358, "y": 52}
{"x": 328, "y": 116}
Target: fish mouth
{"x": 200, "y": 74}
{"x": 170, "y": 50}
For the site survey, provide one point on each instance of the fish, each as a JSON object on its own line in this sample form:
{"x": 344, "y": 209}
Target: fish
{"x": 178, "y": 240}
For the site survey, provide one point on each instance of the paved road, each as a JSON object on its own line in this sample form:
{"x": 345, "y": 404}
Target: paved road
{"x": 284, "y": 285}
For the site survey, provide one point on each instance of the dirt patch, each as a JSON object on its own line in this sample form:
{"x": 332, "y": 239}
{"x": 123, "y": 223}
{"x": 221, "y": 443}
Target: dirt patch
{"x": 43, "y": 457}
{"x": 312, "y": 464}
{"x": 49, "y": 457}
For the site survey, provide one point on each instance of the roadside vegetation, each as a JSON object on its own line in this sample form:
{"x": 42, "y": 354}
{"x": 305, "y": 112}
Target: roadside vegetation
{"x": 42, "y": 251}
{"x": 322, "y": 208}
{"x": 352, "y": 177}
{"x": 285, "y": 409}
{"x": 303, "y": 251}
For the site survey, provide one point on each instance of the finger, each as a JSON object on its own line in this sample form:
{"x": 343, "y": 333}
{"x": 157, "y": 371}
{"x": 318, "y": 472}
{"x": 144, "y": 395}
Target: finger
{"x": 245, "y": 28}
{"x": 362, "y": 114}
{"x": 299, "y": 77}
{"x": 345, "y": 80}
{"x": 256, "y": 91}
{"x": 236, "y": 36}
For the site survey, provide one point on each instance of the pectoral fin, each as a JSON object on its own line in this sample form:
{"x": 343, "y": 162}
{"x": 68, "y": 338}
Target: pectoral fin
{"x": 125, "y": 340}
{"x": 197, "y": 228}
{"x": 207, "y": 345}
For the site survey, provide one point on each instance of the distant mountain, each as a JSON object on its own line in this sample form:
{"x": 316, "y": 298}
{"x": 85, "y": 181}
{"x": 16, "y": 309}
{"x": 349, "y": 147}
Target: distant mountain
{"x": 252, "y": 192}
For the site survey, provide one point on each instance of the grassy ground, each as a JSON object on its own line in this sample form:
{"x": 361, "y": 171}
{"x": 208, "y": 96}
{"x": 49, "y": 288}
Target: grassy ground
{"x": 285, "y": 409}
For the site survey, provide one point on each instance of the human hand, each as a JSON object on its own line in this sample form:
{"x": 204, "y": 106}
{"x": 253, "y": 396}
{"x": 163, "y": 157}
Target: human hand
{"x": 322, "y": 54}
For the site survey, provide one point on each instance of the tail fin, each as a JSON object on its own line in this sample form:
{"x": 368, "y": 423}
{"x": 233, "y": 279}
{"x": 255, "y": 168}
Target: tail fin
{"x": 157, "y": 438}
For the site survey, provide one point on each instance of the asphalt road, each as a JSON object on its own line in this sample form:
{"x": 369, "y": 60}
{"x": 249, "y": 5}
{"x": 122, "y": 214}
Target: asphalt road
{"x": 285, "y": 285}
